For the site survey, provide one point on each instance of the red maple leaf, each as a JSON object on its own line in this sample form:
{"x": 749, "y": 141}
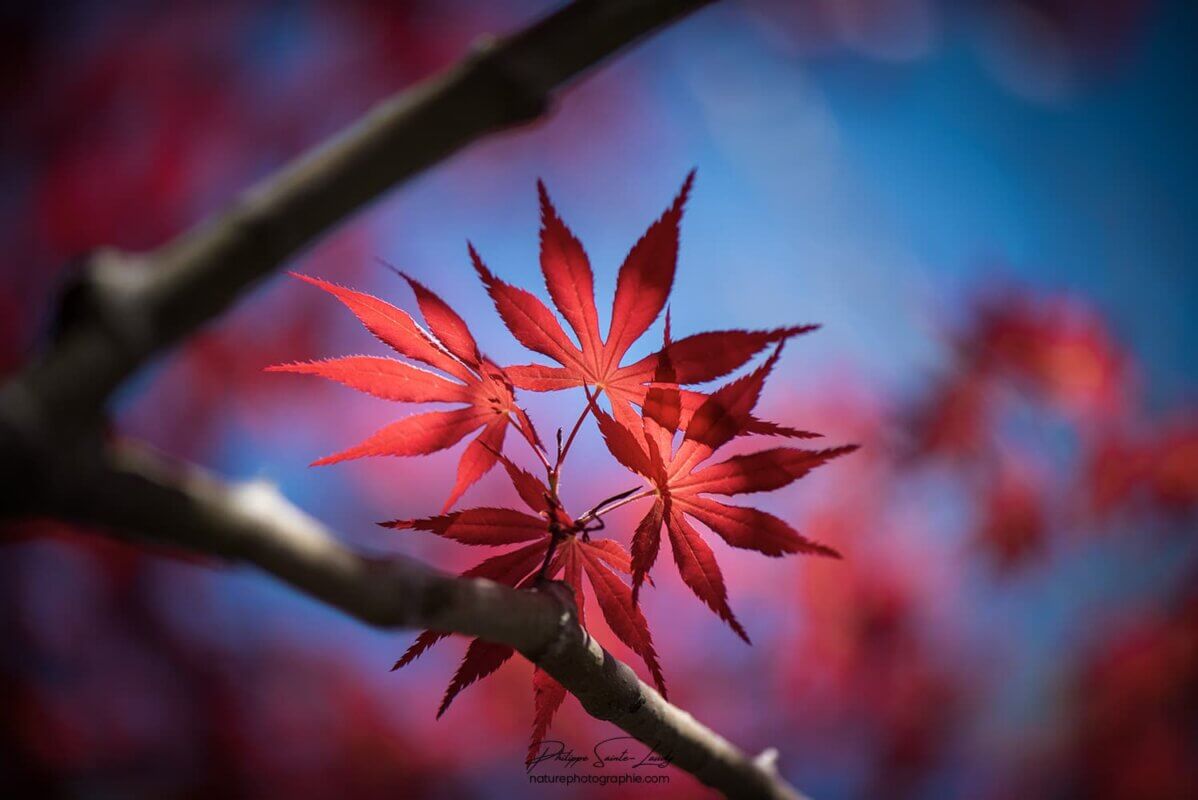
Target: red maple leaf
{"x": 642, "y": 288}
{"x": 678, "y": 485}
{"x": 561, "y": 546}
{"x": 468, "y": 377}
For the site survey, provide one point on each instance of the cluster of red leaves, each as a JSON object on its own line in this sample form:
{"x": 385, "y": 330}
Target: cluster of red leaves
{"x": 1055, "y": 349}
{"x": 883, "y": 649}
{"x": 552, "y": 542}
{"x": 568, "y": 556}
{"x": 1058, "y": 354}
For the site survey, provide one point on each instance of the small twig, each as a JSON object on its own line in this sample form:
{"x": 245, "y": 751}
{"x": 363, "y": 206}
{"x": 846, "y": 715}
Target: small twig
{"x": 555, "y": 540}
{"x": 555, "y": 532}
{"x": 562, "y": 451}
{"x": 594, "y": 511}
{"x": 631, "y": 499}
{"x": 587, "y": 530}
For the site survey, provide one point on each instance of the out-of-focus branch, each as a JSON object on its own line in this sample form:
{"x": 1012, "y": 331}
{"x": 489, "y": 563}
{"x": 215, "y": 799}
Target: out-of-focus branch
{"x": 139, "y": 494}
{"x": 137, "y": 305}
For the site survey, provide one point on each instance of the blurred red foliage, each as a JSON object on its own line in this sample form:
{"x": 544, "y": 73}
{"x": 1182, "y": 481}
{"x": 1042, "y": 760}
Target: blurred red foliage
{"x": 1028, "y": 373}
{"x": 1134, "y": 734}
{"x": 114, "y": 696}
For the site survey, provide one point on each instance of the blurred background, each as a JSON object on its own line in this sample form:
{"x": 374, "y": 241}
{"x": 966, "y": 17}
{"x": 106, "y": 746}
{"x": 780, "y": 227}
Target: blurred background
{"x": 989, "y": 206}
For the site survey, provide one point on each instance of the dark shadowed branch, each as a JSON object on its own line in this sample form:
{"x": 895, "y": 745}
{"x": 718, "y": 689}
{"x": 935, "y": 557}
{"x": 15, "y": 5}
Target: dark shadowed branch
{"x": 126, "y": 308}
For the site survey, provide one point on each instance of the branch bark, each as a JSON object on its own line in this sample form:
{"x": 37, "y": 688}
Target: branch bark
{"x": 127, "y": 308}
{"x": 140, "y": 494}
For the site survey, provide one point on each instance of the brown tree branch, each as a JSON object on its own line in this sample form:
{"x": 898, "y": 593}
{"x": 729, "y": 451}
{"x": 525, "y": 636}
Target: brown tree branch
{"x": 140, "y": 494}
{"x": 128, "y": 308}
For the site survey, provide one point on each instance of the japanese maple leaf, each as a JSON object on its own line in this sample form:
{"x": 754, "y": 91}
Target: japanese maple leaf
{"x": 469, "y": 378}
{"x": 678, "y": 482}
{"x": 642, "y": 288}
{"x": 575, "y": 554}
